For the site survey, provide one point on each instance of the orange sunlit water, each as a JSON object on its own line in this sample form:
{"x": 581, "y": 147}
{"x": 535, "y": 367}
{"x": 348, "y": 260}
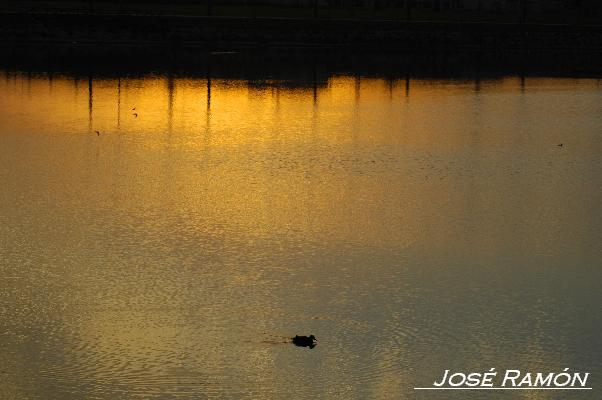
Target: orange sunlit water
{"x": 411, "y": 225}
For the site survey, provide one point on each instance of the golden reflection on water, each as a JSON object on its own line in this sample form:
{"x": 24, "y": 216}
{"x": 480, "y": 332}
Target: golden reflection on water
{"x": 413, "y": 225}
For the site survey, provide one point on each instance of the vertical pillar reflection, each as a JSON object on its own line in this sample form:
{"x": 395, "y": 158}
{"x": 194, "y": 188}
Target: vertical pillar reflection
{"x": 314, "y": 112}
{"x": 522, "y": 83}
{"x": 118, "y": 103}
{"x": 208, "y": 79}
{"x": 170, "y": 100}
{"x": 29, "y": 84}
{"x": 477, "y": 79}
{"x": 315, "y": 80}
{"x": 208, "y": 90}
{"x": 356, "y": 105}
{"x": 90, "y": 103}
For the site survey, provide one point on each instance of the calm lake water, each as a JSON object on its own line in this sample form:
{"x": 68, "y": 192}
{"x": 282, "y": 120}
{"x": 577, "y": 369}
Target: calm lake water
{"x": 412, "y": 225}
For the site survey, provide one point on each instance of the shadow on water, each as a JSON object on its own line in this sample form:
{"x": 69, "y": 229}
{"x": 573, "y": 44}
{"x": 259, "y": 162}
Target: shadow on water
{"x": 307, "y": 68}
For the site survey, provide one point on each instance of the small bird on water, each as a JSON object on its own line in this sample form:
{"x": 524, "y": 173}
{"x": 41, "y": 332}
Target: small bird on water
{"x": 97, "y": 133}
{"x": 305, "y": 341}
{"x": 560, "y": 145}
{"x": 135, "y": 115}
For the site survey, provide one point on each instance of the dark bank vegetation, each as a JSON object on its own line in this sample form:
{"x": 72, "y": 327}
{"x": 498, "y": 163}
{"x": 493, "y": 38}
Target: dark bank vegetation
{"x": 574, "y": 12}
{"x": 370, "y": 25}
{"x": 306, "y": 67}
{"x": 18, "y": 29}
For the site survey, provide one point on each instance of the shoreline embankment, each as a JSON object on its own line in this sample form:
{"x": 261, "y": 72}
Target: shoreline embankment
{"x": 243, "y": 33}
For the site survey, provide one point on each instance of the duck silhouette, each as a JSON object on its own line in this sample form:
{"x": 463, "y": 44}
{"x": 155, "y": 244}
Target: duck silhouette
{"x": 305, "y": 341}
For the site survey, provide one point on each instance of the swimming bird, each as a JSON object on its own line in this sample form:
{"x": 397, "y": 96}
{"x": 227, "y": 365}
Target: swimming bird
{"x": 305, "y": 341}
{"x": 135, "y": 115}
{"x": 97, "y": 133}
{"x": 560, "y": 145}
{"x": 134, "y": 109}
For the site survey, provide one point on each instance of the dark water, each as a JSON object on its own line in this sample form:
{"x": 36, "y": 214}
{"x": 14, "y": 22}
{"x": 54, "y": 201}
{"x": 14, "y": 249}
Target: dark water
{"x": 413, "y": 225}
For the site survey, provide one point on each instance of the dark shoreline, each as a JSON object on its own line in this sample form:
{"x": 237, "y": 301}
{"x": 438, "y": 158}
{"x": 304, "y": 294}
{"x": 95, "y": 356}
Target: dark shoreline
{"x": 293, "y": 50}
{"x": 303, "y": 68}
{"x": 17, "y": 29}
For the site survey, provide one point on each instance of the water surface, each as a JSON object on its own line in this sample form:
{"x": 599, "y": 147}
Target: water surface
{"x": 412, "y": 225}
